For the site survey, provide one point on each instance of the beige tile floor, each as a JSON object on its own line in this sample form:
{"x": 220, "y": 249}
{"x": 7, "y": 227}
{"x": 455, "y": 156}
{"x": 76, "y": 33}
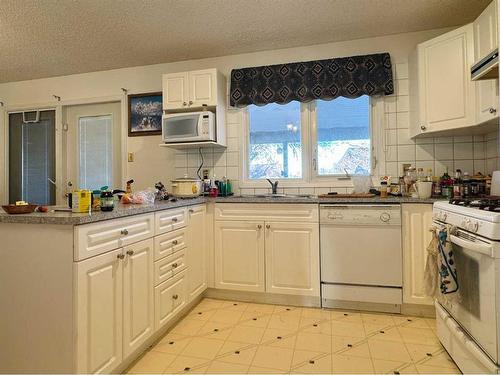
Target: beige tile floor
{"x": 238, "y": 338}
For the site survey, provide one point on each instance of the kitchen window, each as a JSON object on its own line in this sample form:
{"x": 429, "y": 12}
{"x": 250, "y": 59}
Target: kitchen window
{"x": 302, "y": 142}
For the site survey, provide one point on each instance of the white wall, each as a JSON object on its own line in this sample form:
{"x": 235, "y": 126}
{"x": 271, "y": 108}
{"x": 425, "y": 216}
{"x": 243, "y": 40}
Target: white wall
{"x": 153, "y": 163}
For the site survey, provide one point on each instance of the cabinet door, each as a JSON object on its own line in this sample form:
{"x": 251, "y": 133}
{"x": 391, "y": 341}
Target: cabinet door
{"x": 99, "y": 313}
{"x": 239, "y": 255}
{"x": 447, "y": 94}
{"x": 292, "y": 258}
{"x": 203, "y": 88}
{"x": 417, "y": 219}
{"x": 138, "y": 303}
{"x": 175, "y": 91}
{"x": 196, "y": 252}
{"x": 485, "y": 41}
{"x": 170, "y": 298}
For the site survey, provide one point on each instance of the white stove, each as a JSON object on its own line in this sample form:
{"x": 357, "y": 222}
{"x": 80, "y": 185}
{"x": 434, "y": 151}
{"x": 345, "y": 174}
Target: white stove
{"x": 467, "y": 320}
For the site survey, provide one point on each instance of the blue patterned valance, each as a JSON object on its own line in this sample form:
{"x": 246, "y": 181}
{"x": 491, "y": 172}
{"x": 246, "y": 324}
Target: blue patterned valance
{"x": 350, "y": 77}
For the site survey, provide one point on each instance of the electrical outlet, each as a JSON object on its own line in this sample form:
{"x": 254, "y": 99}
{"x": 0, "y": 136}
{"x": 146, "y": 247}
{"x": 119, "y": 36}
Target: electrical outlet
{"x": 130, "y": 157}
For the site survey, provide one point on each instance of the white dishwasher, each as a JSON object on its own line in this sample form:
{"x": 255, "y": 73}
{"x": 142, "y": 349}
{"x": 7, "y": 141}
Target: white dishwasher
{"x": 361, "y": 257}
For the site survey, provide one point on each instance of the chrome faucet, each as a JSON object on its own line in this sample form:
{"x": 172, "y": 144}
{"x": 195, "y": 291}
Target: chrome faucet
{"x": 274, "y": 186}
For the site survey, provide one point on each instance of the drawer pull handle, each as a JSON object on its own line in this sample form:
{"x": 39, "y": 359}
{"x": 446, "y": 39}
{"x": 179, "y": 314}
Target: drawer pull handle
{"x": 268, "y": 226}
{"x": 175, "y": 296}
{"x": 191, "y": 211}
{"x": 120, "y": 256}
{"x": 493, "y": 110}
{"x": 130, "y": 252}
{"x": 259, "y": 227}
{"x": 124, "y": 232}
{"x": 175, "y": 242}
{"x": 174, "y": 265}
{"x": 174, "y": 219}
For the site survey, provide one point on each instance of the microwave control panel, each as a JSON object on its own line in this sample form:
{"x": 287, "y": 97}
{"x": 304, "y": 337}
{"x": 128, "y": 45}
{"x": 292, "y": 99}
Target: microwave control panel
{"x": 205, "y": 124}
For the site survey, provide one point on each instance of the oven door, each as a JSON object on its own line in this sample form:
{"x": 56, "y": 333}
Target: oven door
{"x": 182, "y": 127}
{"x": 474, "y": 305}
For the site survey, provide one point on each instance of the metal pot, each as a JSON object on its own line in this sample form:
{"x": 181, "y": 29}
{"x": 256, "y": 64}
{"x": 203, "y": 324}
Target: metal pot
{"x": 186, "y": 187}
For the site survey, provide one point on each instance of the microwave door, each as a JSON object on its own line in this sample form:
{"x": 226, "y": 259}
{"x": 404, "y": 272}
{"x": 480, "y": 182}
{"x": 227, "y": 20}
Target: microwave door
{"x": 181, "y": 128}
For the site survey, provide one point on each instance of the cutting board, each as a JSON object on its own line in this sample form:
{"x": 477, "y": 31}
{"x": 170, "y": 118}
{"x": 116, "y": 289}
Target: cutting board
{"x": 357, "y": 195}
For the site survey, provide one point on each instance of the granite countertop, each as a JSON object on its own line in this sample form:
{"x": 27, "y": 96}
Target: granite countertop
{"x": 121, "y": 210}
{"x": 316, "y": 200}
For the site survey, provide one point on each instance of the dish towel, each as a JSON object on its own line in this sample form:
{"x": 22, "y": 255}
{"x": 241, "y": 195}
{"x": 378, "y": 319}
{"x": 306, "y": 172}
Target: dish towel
{"x": 440, "y": 267}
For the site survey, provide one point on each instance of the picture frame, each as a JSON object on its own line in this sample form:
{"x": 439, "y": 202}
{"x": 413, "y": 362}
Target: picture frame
{"x": 145, "y": 114}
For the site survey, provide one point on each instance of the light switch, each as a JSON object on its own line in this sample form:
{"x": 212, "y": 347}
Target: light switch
{"x": 130, "y": 157}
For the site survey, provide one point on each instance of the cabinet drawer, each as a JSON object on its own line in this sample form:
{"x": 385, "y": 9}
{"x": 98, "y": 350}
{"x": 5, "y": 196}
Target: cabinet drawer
{"x": 169, "y": 220}
{"x": 168, "y": 243}
{"x": 170, "y": 298}
{"x": 169, "y": 266}
{"x": 267, "y": 212}
{"x": 97, "y": 238}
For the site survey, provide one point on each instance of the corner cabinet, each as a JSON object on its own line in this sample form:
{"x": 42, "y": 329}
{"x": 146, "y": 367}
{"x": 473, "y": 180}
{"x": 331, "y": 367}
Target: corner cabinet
{"x": 267, "y": 248}
{"x": 417, "y": 219}
{"x": 442, "y": 95}
{"x": 485, "y": 41}
{"x": 193, "y": 89}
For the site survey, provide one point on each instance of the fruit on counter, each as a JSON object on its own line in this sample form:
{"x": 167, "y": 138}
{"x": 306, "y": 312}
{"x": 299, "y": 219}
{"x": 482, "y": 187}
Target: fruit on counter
{"x": 42, "y": 209}
{"x": 21, "y": 203}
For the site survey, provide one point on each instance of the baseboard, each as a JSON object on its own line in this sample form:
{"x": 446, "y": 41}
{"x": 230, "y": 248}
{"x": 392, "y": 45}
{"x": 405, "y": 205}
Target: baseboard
{"x": 426, "y": 311}
{"x": 270, "y": 298}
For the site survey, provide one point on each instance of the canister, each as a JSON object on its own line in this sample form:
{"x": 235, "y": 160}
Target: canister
{"x": 81, "y": 201}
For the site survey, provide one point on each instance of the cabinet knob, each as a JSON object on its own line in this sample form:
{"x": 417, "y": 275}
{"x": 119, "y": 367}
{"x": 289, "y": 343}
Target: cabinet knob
{"x": 124, "y": 232}
{"x": 130, "y": 252}
{"x": 175, "y": 242}
{"x": 493, "y": 110}
{"x": 190, "y": 102}
{"x": 184, "y": 104}
{"x": 191, "y": 211}
{"x": 174, "y": 265}
{"x": 120, "y": 256}
{"x": 175, "y": 296}
{"x": 174, "y": 219}
{"x": 423, "y": 127}
{"x": 268, "y": 226}
{"x": 259, "y": 226}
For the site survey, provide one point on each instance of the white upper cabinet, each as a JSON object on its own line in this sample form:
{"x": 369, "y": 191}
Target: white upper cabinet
{"x": 485, "y": 41}
{"x": 441, "y": 91}
{"x": 193, "y": 89}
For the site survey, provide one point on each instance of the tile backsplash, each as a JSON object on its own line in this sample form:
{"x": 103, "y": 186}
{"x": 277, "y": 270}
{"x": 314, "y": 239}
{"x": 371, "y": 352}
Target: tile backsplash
{"x": 469, "y": 153}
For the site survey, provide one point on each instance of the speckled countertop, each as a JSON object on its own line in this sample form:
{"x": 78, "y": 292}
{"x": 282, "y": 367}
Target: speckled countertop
{"x": 122, "y": 210}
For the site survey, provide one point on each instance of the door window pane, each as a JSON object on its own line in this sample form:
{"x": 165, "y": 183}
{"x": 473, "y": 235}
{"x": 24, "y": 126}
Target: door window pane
{"x": 95, "y": 142}
{"x": 32, "y": 158}
{"x": 343, "y": 140}
{"x": 275, "y": 146}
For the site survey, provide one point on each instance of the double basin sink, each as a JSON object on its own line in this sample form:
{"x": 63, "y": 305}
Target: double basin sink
{"x": 277, "y": 196}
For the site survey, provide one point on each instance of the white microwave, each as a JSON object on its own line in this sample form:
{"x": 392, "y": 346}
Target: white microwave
{"x": 189, "y": 127}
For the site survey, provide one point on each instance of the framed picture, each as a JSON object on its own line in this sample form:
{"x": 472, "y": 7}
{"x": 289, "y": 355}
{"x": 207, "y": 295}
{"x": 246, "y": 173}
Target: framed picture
{"x": 144, "y": 114}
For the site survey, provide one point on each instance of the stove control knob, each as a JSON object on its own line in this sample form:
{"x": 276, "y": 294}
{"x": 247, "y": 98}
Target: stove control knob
{"x": 443, "y": 216}
{"x": 474, "y": 226}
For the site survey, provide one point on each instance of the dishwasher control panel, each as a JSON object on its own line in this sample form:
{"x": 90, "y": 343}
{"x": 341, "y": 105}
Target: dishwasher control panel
{"x": 360, "y": 214}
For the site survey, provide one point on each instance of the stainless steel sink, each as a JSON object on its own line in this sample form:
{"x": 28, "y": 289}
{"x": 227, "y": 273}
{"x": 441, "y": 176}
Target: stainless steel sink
{"x": 277, "y": 196}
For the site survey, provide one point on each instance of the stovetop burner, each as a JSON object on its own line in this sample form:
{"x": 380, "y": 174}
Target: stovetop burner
{"x": 487, "y": 203}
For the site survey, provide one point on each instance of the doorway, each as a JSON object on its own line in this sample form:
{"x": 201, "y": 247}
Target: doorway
{"x": 32, "y": 157}
{"x": 92, "y": 145}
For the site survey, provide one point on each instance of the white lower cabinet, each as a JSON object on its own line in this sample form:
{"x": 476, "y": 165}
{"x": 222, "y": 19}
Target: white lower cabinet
{"x": 273, "y": 256}
{"x": 239, "y": 255}
{"x": 196, "y": 252}
{"x": 99, "y": 282}
{"x": 170, "y": 298}
{"x": 292, "y": 258}
{"x": 417, "y": 219}
{"x": 138, "y": 300}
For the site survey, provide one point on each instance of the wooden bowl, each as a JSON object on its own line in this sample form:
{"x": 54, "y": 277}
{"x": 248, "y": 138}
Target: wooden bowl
{"x": 12, "y": 209}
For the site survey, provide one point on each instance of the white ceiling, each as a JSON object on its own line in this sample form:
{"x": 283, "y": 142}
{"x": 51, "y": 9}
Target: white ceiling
{"x": 45, "y": 38}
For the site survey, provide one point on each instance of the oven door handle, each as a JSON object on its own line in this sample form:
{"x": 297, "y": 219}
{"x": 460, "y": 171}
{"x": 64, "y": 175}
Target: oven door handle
{"x": 468, "y": 245}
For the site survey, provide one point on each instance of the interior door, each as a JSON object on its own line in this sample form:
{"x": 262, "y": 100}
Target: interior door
{"x": 93, "y": 145}
{"x": 32, "y": 157}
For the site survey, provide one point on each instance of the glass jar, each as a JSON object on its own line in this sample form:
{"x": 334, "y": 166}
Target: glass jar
{"x": 107, "y": 201}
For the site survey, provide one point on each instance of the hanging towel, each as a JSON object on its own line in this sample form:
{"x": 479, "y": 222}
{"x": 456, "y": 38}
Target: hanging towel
{"x": 448, "y": 280}
{"x": 431, "y": 276}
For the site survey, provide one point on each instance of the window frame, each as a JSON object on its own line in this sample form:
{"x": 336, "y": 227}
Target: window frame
{"x": 310, "y": 176}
